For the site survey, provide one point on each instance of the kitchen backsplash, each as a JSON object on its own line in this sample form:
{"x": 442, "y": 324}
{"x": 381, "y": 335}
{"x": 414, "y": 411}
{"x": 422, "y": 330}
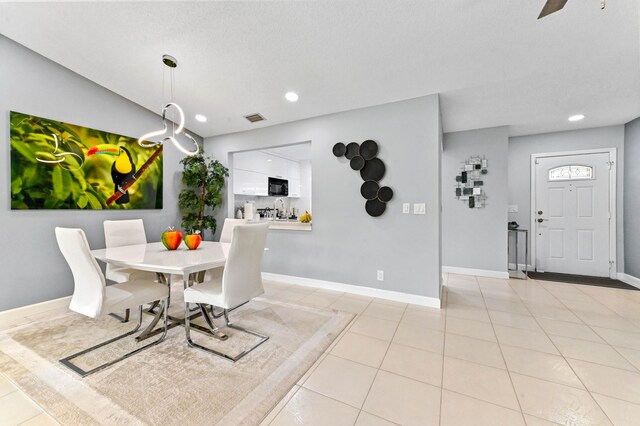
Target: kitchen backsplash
{"x": 260, "y": 202}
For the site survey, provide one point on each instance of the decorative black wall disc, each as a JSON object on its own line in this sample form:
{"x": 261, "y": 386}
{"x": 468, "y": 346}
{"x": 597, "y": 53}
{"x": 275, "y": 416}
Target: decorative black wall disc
{"x": 353, "y": 149}
{"x": 373, "y": 169}
{"x": 339, "y": 149}
{"x": 369, "y": 189}
{"x": 369, "y": 149}
{"x": 385, "y": 194}
{"x": 357, "y": 163}
{"x": 375, "y": 207}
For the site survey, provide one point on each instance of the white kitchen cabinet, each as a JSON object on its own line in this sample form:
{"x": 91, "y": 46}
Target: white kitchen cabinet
{"x": 252, "y": 171}
{"x": 247, "y": 182}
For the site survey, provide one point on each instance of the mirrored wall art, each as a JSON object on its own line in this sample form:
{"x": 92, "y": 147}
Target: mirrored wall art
{"x": 469, "y": 188}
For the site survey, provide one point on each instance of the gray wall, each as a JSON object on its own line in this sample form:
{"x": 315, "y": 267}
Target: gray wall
{"x": 33, "y": 268}
{"x": 521, "y": 148}
{"x": 632, "y": 198}
{"x": 475, "y": 238}
{"x": 346, "y": 245}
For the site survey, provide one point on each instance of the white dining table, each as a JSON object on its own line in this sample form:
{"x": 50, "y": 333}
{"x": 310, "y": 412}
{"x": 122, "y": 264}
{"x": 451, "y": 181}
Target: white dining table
{"x": 155, "y": 257}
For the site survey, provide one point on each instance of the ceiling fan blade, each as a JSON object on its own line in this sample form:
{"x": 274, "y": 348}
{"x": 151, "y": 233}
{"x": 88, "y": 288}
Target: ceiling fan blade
{"x": 552, "y": 6}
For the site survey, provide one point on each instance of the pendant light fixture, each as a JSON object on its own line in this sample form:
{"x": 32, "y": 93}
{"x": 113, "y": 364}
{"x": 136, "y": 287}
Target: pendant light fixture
{"x": 145, "y": 140}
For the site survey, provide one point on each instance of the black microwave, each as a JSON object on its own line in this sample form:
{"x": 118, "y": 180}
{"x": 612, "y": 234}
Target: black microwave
{"x": 278, "y": 187}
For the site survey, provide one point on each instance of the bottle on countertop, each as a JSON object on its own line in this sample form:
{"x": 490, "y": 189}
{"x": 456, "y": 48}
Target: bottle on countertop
{"x": 239, "y": 214}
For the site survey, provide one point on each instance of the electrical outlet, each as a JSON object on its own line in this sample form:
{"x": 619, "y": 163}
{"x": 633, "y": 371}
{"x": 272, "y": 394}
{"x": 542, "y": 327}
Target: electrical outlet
{"x": 406, "y": 208}
{"x": 419, "y": 208}
{"x": 380, "y": 275}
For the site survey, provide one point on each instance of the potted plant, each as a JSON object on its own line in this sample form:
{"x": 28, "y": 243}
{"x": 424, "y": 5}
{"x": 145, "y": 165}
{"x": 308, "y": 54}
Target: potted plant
{"x": 204, "y": 179}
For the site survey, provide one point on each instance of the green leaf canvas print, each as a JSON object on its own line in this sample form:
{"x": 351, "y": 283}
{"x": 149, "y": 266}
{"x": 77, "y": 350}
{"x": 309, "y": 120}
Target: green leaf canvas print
{"x": 56, "y": 165}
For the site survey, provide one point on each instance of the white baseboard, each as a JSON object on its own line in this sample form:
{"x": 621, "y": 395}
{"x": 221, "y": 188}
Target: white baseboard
{"x": 36, "y": 308}
{"x": 396, "y": 296}
{"x": 477, "y": 272}
{"x": 629, "y": 279}
{"x": 512, "y": 266}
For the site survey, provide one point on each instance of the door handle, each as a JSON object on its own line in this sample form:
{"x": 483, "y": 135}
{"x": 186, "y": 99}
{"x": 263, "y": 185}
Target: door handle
{"x": 540, "y": 220}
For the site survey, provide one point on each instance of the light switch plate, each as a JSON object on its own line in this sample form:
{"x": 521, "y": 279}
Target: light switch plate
{"x": 406, "y": 208}
{"x": 419, "y": 208}
{"x": 513, "y": 208}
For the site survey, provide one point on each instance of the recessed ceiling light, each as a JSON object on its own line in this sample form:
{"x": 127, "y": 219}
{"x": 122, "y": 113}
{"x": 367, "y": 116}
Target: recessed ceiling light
{"x": 291, "y": 96}
{"x": 201, "y": 118}
{"x": 576, "y": 117}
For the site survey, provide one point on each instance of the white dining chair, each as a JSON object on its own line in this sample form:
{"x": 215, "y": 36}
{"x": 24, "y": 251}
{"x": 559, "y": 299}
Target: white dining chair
{"x": 240, "y": 281}
{"x": 227, "y": 229}
{"x": 93, "y": 298}
{"x": 119, "y": 233}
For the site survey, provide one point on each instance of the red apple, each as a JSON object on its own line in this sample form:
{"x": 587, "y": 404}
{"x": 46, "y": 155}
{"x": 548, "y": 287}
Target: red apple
{"x": 193, "y": 240}
{"x": 171, "y": 239}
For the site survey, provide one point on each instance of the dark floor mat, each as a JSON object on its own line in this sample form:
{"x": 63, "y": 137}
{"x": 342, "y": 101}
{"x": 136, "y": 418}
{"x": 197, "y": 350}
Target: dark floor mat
{"x": 580, "y": 279}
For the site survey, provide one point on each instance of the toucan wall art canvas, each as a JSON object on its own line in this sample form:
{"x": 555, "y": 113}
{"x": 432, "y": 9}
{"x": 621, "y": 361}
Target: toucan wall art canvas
{"x": 56, "y": 165}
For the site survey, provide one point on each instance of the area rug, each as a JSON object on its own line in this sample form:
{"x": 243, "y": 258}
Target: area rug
{"x": 169, "y": 384}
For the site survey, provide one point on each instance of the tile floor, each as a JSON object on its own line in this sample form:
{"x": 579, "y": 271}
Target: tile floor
{"x": 500, "y": 352}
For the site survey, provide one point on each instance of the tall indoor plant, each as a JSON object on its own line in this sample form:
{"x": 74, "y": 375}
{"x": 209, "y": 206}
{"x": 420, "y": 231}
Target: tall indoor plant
{"x": 204, "y": 180}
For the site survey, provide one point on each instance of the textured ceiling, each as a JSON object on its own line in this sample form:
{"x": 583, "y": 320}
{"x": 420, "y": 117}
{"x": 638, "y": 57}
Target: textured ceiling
{"x": 492, "y": 62}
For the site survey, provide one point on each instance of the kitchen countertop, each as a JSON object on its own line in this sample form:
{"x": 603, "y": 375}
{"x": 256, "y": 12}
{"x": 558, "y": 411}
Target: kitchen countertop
{"x": 288, "y": 225}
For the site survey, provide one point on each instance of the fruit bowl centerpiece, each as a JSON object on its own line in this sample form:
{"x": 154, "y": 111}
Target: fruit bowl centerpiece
{"x": 171, "y": 238}
{"x": 193, "y": 240}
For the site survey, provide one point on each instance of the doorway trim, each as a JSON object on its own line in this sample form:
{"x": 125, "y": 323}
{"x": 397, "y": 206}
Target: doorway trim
{"x": 613, "y": 196}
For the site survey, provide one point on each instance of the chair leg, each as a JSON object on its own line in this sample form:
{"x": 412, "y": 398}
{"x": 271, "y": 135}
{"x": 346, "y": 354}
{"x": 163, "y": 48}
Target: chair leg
{"x": 187, "y": 329}
{"x": 67, "y": 361}
{"x": 127, "y": 312}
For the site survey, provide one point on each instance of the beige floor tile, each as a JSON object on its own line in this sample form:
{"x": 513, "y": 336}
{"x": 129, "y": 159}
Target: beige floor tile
{"x": 388, "y": 302}
{"x": 461, "y": 410}
{"x": 591, "y": 351}
{"x": 615, "y": 322}
{"x": 469, "y": 328}
{"x": 374, "y": 327}
{"x": 309, "y": 408}
{"x": 467, "y": 312}
{"x": 621, "y": 413}
{"x": 556, "y": 313}
{"x": 302, "y": 289}
{"x": 14, "y": 322}
{"x": 403, "y": 401}
{"x": 383, "y": 311}
{"x": 486, "y": 383}
{"x": 535, "y": 421}
{"x": 16, "y": 408}
{"x": 414, "y": 363}
{"x": 569, "y": 329}
{"x": 557, "y": 403}
{"x": 357, "y": 297}
{"x": 366, "y": 419}
{"x": 474, "y": 350}
{"x": 40, "y": 420}
{"x": 621, "y": 384}
{"x": 419, "y": 337}
{"x": 342, "y": 380}
{"x": 428, "y": 319}
{"x": 275, "y": 410}
{"x": 363, "y": 349}
{"x": 350, "y": 305}
{"x": 619, "y": 338}
{"x": 51, "y": 313}
{"x": 525, "y": 322}
{"x": 534, "y": 340}
{"x": 465, "y": 299}
{"x": 288, "y": 296}
{"x": 541, "y": 365}
{"x": 6, "y": 386}
{"x": 502, "y": 305}
{"x": 632, "y": 355}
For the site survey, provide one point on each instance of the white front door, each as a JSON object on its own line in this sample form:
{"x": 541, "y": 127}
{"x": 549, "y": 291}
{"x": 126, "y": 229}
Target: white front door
{"x": 572, "y": 215}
